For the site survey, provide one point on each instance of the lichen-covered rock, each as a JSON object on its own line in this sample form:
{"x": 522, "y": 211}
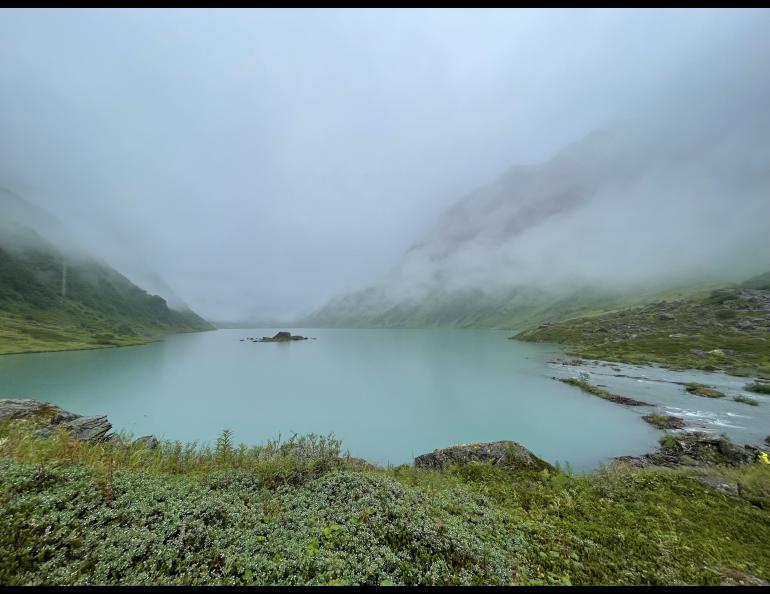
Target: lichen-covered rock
{"x": 738, "y": 578}
{"x": 694, "y": 449}
{"x": 25, "y": 408}
{"x": 506, "y": 453}
{"x": 53, "y": 418}
{"x": 148, "y": 441}
{"x": 720, "y": 484}
{"x": 705, "y": 391}
{"x": 665, "y": 421}
{"x": 82, "y": 428}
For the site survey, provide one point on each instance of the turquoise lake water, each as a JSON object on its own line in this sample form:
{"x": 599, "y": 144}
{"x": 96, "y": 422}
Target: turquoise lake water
{"x": 388, "y": 394}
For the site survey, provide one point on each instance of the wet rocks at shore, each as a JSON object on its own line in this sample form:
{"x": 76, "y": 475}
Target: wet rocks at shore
{"x": 81, "y": 428}
{"x": 505, "y": 453}
{"x": 694, "y": 449}
{"x": 665, "y": 421}
{"x": 702, "y": 390}
{"x": 601, "y": 392}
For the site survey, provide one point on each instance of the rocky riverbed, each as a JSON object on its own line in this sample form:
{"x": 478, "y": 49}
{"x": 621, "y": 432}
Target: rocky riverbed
{"x": 677, "y": 394}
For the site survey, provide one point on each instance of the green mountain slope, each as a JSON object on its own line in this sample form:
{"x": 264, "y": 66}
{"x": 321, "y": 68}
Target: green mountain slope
{"x": 50, "y": 300}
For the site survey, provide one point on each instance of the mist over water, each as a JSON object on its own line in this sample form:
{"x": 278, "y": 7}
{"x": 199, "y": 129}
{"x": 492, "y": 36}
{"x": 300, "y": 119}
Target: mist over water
{"x": 255, "y": 164}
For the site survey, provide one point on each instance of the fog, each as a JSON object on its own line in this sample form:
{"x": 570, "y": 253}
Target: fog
{"x": 258, "y": 163}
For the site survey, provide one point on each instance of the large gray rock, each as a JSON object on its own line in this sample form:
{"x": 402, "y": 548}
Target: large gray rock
{"x": 506, "y": 453}
{"x": 82, "y": 428}
{"x": 720, "y": 484}
{"x": 24, "y": 408}
{"x": 53, "y": 418}
{"x": 695, "y": 449}
{"x": 148, "y": 441}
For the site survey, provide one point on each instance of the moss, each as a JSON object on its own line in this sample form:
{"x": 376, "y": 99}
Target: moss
{"x": 746, "y": 400}
{"x": 758, "y": 387}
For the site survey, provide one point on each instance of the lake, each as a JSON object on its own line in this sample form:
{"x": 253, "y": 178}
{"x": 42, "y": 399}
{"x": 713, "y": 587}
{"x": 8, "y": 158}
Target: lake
{"x": 388, "y": 394}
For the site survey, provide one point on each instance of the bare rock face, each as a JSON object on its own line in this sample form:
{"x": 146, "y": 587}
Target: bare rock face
{"x": 506, "y": 453}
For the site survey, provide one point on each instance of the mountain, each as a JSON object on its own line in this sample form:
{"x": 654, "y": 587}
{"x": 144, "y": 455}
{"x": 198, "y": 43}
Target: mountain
{"x": 55, "y": 297}
{"x": 626, "y": 214}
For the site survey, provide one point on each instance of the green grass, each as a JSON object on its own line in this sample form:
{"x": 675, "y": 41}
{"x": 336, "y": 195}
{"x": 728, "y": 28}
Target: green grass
{"x": 101, "y": 308}
{"x": 759, "y": 388}
{"x": 699, "y": 334}
{"x": 51, "y": 332}
{"x": 746, "y": 400}
{"x": 302, "y": 512}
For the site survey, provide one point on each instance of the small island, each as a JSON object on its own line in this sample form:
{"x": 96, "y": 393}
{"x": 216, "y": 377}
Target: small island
{"x": 282, "y": 336}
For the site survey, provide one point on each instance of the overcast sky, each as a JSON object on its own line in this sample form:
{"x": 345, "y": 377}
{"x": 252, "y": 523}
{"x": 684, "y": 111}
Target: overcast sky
{"x": 262, "y": 161}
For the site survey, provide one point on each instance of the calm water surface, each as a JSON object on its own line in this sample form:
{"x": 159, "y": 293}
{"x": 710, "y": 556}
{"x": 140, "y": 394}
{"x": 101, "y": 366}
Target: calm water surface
{"x": 388, "y": 394}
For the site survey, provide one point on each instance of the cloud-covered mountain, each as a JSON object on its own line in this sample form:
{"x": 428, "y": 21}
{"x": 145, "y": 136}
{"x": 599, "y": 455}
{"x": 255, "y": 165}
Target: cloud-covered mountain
{"x": 54, "y": 295}
{"x": 642, "y": 206}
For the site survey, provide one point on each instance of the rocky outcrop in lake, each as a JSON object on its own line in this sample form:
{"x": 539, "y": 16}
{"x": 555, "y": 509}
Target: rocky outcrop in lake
{"x": 665, "y": 421}
{"x": 505, "y": 453}
{"x": 279, "y": 337}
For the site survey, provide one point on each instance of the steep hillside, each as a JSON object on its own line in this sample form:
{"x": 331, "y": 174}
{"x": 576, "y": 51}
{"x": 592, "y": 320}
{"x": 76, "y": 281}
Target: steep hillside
{"x": 52, "y": 299}
{"x": 613, "y": 220}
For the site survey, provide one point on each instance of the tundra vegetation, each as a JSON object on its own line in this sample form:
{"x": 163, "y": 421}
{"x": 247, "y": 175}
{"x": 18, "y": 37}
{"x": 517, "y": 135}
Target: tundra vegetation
{"x": 725, "y": 329}
{"x": 301, "y": 511}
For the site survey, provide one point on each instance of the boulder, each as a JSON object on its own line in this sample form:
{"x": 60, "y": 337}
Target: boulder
{"x": 54, "y": 418}
{"x": 505, "y": 453}
{"x": 93, "y": 428}
{"x": 148, "y": 441}
{"x": 11, "y": 408}
{"x": 720, "y": 484}
{"x": 738, "y": 578}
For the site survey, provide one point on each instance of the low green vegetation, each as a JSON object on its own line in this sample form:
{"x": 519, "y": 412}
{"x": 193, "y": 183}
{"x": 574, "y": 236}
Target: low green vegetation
{"x": 725, "y": 329}
{"x": 746, "y": 400}
{"x": 302, "y": 512}
{"x": 759, "y": 388}
{"x": 56, "y": 331}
